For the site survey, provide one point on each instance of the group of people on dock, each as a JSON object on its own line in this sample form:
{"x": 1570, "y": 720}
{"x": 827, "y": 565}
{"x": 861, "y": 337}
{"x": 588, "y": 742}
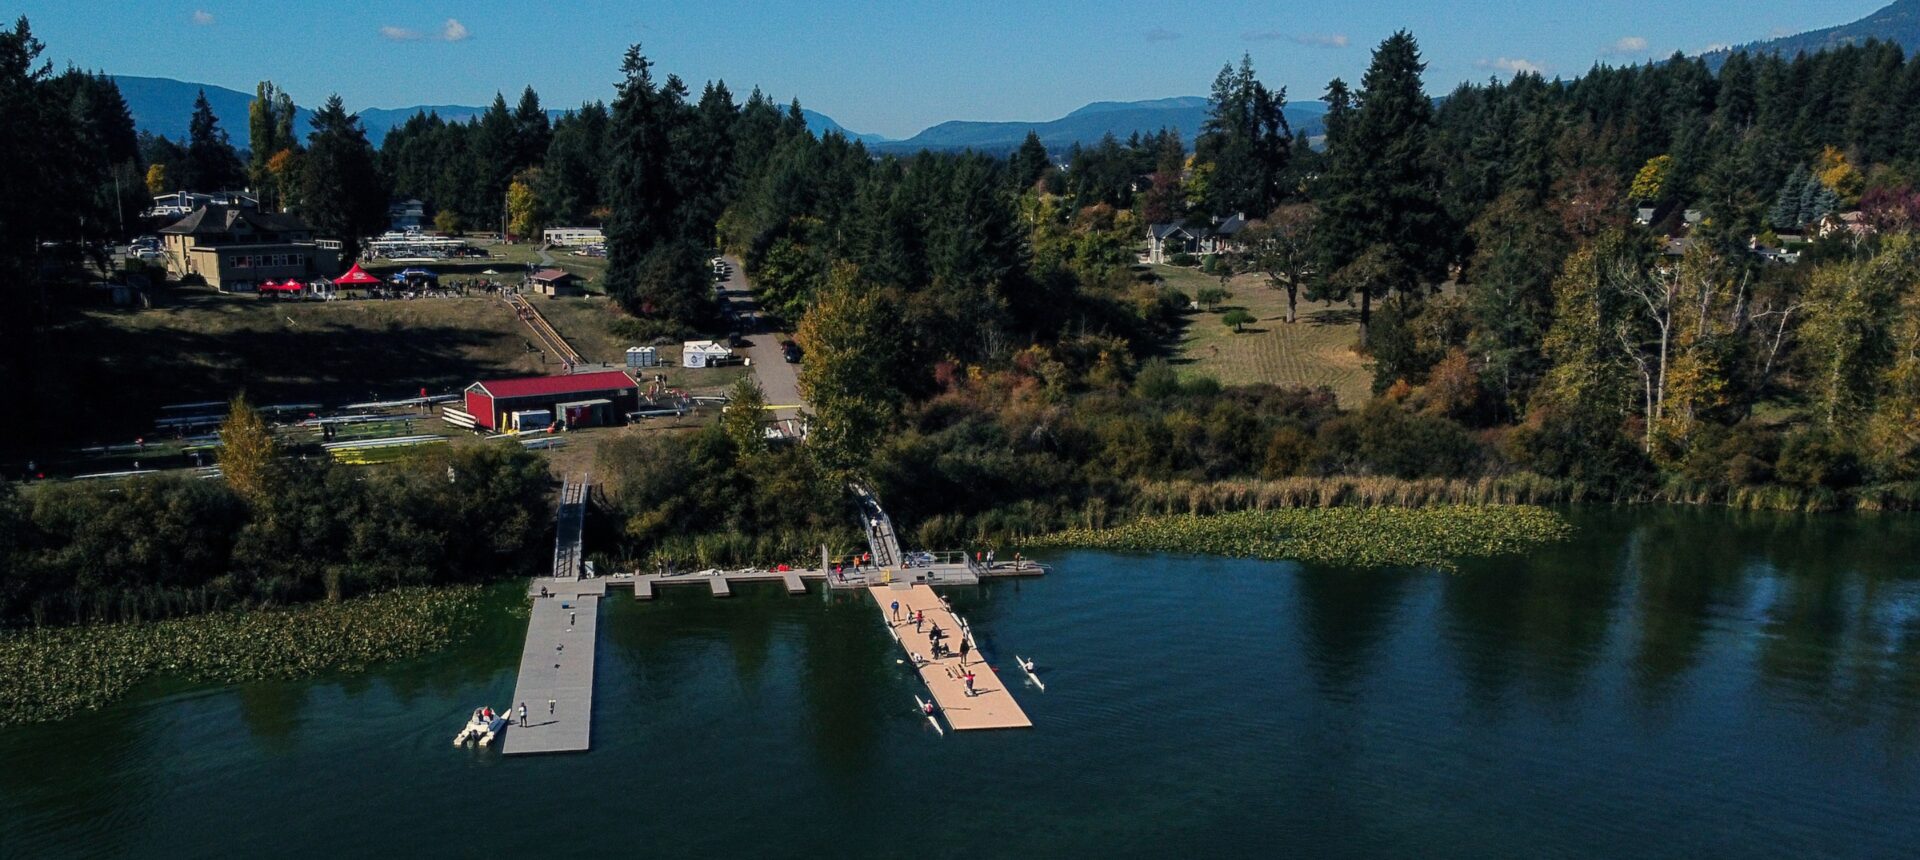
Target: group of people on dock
{"x": 860, "y": 562}
{"x": 940, "y": 649}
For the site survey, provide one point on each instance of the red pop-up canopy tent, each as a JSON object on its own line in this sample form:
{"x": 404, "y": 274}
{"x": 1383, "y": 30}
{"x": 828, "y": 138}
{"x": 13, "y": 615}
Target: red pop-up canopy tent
{"x": 356, "y": 277}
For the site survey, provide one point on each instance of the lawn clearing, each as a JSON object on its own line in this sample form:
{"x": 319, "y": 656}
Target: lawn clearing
{"x": 1315, "y": 351}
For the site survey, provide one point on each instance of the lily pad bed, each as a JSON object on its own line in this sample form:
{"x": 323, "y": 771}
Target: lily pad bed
{"x": 1345, "y": 537}
{"x": 52, "y": 673}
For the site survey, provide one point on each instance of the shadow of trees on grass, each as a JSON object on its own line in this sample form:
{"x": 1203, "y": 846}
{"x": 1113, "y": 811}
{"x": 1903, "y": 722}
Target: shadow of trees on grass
{"x": 105, "y": 382}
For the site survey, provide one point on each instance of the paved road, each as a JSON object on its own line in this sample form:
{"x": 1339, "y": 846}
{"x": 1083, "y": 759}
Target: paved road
{"x": 777, "y": 378}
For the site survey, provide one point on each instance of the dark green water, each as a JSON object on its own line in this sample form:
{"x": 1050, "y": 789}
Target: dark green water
{"x": 1672, "y": 683}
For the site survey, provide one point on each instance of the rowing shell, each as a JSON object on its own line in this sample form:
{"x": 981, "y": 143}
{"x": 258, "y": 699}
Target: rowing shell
{"x": 922, "y": 705}
{"x": 1030, "y": 675}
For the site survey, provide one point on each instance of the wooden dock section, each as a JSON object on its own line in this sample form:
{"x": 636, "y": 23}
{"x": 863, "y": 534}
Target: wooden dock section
{"x": 556, "y": 677}
{"x": 568, "y": 522}
{"x": 991, "y": 706}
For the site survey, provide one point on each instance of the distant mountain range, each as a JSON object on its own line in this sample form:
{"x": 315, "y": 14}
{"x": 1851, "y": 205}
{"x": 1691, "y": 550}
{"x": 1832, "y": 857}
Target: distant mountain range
{"x": 164, "y": 106}
{"x": 1087, "y": 125}
{"x": 1898, "y": 22}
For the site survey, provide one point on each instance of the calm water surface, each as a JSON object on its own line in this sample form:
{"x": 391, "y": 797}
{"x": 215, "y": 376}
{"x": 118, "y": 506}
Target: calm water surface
{"x": 1672, "y": 683}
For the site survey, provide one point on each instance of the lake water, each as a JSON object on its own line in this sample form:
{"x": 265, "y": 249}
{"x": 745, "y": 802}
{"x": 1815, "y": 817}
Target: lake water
{"x": 1671, "y": 683}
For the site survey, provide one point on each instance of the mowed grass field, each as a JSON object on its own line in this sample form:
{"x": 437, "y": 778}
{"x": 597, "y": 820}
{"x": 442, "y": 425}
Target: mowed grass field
{"x": 1316, "y": 350}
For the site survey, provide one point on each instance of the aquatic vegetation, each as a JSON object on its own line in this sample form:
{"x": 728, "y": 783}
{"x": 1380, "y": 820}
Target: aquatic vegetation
{"x": 51, "y": 673}
{"x": 1348, "y": 537}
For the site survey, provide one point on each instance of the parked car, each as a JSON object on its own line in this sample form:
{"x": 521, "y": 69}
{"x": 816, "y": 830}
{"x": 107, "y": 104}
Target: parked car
{"x": 790, "y": 351}
{"x": 735, "y": 341}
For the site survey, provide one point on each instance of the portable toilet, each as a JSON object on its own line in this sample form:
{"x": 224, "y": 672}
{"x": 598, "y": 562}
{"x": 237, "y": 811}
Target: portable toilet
{"x": 642, "y": 356}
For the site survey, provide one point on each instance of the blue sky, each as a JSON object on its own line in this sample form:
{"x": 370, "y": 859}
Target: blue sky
{"x": 885, "y": 67}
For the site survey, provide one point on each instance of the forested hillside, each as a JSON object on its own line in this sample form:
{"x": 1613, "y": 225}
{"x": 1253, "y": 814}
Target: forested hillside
{"x": 1652, "y": 282}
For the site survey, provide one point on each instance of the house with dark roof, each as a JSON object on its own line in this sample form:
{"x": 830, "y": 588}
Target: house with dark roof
{"x": 235, "y": 249}
{"x": 1198, "y": 238}
{"x": 557, "y": 282}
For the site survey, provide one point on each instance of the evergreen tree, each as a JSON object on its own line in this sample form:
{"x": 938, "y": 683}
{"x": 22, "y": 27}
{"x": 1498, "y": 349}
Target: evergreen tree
{"x": 343, "y": 194}
{"x": 31, "y": 172}
{"x": 757, "y": 131}
{"x": 211, "y": 164}
{"x": 704, "y": 169}
{"x": 1809, "y": 208}
{"x": 104, "y": 153}
{"x": 1245, "y": 142}
{"x": 531, "y": 131}
{"x": 1380, "y": 194}
{"x": 574, "y": 169}
{"x": 494, "y": 149}
{"x": 640, "y": 198}
{"x": 1786, "y": 211}
{"x": 1510, "y": 298}
{"x": 1029, "y": 162}
{"x": 1826, "y": 201}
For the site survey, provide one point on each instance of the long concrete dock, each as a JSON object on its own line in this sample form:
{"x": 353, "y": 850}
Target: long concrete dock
{"x": 990, "y": 706}
{"x": 556, "y": 677}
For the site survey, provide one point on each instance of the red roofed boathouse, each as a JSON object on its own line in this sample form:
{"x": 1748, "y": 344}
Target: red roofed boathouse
{"x": 581, "y": 400}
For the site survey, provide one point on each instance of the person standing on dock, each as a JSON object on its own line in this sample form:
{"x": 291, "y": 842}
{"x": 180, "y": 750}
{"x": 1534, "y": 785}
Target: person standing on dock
{"x": 965, "y": 646}
{"x": 523, "y": 714}
{"x": 969, "y": 678}
{"x": 896, "y": 611}
{"x": 549, "y": 707}
{"x": 919, "y": 616}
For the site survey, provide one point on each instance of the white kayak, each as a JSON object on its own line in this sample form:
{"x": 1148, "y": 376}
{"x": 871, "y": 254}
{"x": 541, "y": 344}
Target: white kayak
{"x": 480, "y": 730}
{"x": 927, "y": 711}
{"x": 1027, "y": 667}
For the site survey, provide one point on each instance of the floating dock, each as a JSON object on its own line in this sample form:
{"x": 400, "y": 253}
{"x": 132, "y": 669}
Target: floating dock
{"x": 556, "y": 663}
{"x": 991, "y": 706}
{"x": 556, "y": 677}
